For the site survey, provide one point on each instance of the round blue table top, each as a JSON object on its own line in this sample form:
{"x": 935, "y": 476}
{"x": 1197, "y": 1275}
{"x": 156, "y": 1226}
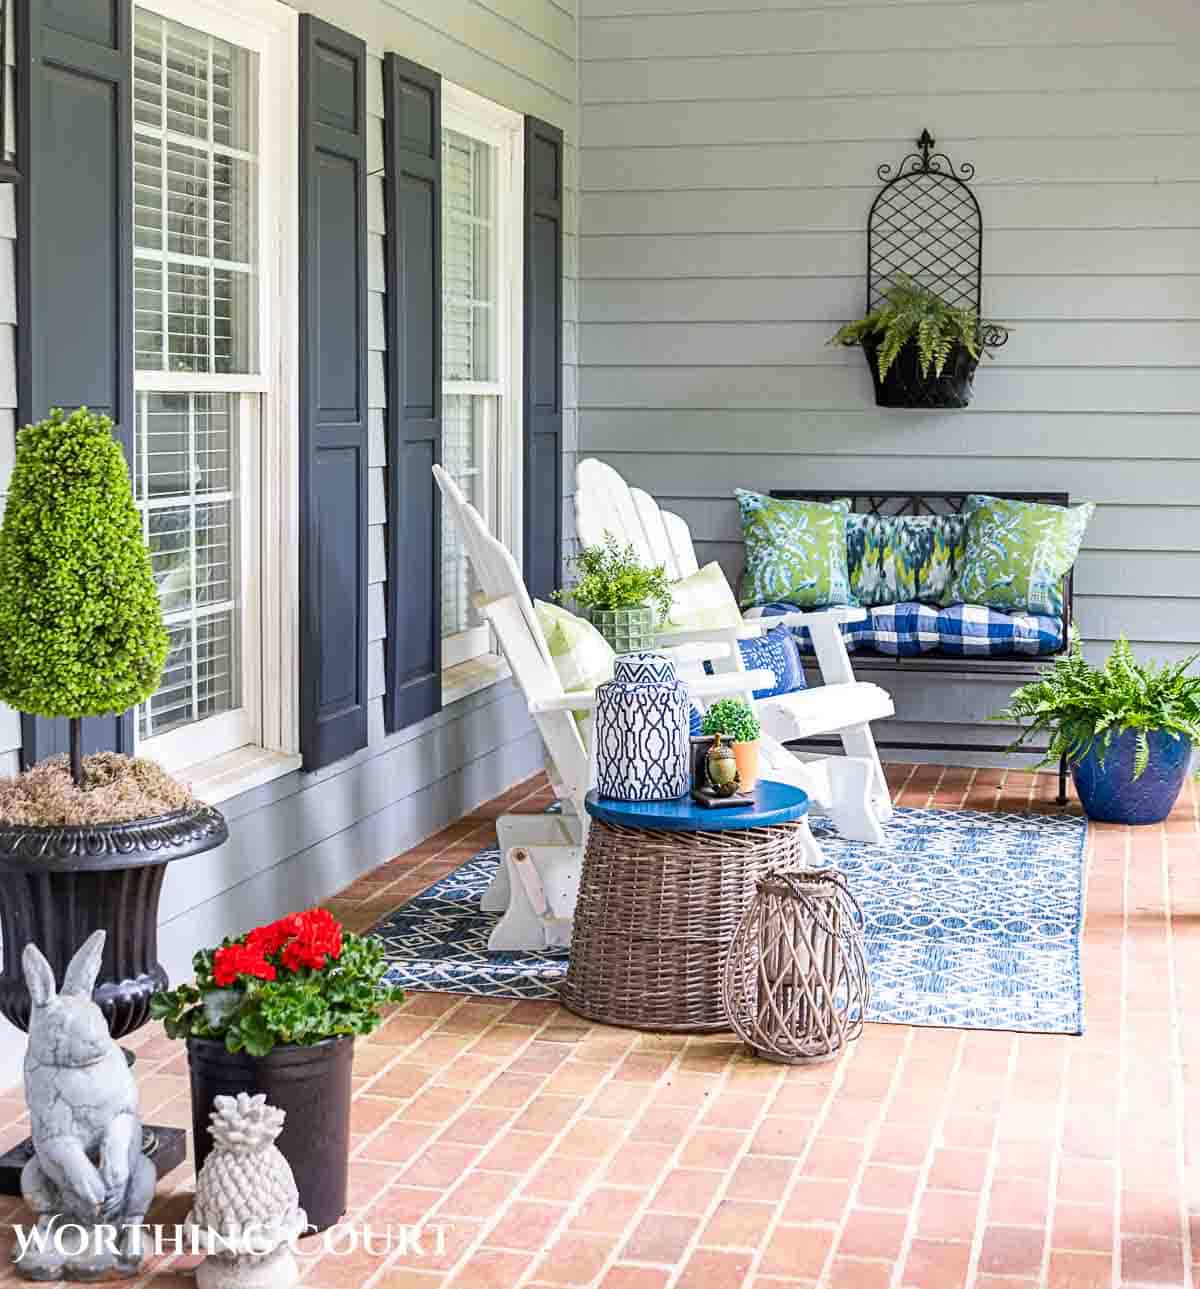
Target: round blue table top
{"x": 774, "y": 803}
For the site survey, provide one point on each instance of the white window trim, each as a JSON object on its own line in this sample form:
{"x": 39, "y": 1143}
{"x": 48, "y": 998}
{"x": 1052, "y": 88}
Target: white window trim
{"x": 272, "y": 30}
{"x": 469, "y": 113}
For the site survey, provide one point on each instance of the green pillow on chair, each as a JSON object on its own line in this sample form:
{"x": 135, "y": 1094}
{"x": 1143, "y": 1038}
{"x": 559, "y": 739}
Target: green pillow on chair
{"x": 1017, "y": 553}
{"x": 581, "y": 655}
{"x": 795, "y": 551}
{"x": 703, "y": 600}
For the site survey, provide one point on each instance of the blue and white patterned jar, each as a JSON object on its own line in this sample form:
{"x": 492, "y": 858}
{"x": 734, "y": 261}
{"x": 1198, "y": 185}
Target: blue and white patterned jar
{"x": 642, "y": 731}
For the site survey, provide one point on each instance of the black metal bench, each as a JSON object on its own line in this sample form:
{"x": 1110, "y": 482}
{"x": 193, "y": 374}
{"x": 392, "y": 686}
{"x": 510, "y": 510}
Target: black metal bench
{"x": 1018, "y": 669}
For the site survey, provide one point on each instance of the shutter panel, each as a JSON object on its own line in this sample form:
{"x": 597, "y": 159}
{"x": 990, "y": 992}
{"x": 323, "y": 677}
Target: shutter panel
{"x": 542, "y": 420}
{"x": 333, "y": 393}
{"x": 413, "y": 198}
{"x": 75, "y": 246}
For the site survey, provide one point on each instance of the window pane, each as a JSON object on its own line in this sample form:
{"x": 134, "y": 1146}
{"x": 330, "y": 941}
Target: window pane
{"x": 468, "y": 258}
{"x": 195, "y": 199}
{"x": 186, "y": 477}
{"x": 466, "y": 444}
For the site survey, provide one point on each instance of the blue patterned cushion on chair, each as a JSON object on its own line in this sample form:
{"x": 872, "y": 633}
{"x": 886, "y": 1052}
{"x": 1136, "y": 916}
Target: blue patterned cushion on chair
{"x": 974, "y": 629}
{"x": 777, "y": 650}
{"x": 904, "y": 630}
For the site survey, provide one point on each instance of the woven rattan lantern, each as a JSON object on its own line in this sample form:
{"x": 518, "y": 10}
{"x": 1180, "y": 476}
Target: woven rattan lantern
{"x": 795, "y": 984}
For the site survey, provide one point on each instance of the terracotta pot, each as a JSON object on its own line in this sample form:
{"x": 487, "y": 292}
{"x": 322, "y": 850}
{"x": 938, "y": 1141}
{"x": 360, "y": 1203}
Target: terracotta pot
{"x": 746, "y": 756}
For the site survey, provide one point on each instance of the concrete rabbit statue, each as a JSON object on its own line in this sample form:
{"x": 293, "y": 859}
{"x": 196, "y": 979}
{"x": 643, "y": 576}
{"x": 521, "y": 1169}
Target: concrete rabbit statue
{"x": 88, "y": 1171}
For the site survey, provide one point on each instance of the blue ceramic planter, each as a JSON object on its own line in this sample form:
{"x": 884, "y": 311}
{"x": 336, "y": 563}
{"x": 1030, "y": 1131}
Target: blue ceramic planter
{"x": 1112, "y": 795}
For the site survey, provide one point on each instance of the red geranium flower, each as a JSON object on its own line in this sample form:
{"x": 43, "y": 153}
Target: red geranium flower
{"x": 237, "y": 960}
{"x": 318, "y": 941}
{"x": 274, "y": 935}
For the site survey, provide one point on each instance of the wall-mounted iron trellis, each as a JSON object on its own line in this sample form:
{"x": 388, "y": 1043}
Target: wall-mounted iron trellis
{"x": 925, "y": 223}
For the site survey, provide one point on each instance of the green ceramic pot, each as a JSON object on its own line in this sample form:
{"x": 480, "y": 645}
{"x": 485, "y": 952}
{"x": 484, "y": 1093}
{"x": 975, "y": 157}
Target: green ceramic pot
{"x": 627, "y": 630}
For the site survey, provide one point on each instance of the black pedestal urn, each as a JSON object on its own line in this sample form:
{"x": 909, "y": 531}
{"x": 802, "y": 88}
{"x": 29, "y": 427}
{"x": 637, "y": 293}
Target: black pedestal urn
{"x": 58, "y": 885}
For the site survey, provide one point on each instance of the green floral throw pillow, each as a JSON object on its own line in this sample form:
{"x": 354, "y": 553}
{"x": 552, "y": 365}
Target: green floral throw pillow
{"x": 897, "y": 558}
{"x": 1017, "y": 553}
{"x": 795, "y": 551}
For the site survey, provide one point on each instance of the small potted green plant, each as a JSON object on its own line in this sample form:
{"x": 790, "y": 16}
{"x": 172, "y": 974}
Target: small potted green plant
{"x": 734, "y": 719}
{"x": 84, "y": 841}
{"x": 624, "y": 599}
{"x": 276, "y": 1011}
{"x": 922, "y": 350}
{"x": 1127, "y": 729}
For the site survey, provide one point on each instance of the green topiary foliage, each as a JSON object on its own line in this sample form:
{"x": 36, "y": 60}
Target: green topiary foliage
{"x": 81, "y": 630}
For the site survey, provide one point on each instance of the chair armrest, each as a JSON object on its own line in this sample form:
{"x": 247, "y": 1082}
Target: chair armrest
{"x": 730, "y": 682}
{"x": 698, "y": 635}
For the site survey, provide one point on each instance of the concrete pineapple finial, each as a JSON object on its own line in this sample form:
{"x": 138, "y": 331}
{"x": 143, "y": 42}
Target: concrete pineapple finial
{"x": 246, "y": 1206}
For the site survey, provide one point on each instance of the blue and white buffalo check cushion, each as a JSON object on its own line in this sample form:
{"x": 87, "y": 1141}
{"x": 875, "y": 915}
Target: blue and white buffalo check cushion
{"x": 971, "y": 628}
{"x": 907, "y": 629}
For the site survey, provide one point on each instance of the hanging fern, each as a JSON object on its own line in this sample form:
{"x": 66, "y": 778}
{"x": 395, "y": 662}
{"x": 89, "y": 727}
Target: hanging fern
{"x": 913, "y": 312}
{"x": 1081, "y": 706}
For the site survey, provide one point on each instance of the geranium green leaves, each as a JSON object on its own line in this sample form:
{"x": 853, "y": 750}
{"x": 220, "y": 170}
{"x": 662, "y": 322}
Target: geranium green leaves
{"x": 81, "y": 631}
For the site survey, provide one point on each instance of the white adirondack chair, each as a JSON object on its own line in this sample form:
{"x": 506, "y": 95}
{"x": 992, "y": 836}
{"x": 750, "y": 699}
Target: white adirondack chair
{"x": 852, "y": 788}
{"x": 538, "y": 879}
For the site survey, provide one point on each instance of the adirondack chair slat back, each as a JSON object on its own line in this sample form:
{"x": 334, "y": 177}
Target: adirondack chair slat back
{"x": 510, "y": 612}
{"x": 493, "y": 564}
{"x": 605, "y": 503}
{"x": 538, "y": 679}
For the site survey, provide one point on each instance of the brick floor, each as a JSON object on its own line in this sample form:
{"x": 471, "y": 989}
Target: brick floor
{"x": 560, "y": 1153}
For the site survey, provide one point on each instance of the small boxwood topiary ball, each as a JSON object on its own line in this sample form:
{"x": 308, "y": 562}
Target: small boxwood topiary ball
{"x": 81, "y": 629}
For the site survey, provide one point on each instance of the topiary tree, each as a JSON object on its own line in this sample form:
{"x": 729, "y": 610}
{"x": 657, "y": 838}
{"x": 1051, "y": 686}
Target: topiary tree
{"x": 81, "y": 629}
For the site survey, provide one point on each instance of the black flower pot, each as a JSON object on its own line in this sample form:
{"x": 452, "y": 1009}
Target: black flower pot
{"x": 58, "y": 885}
{"x": 311, "y": 1085}
{"x": 904, "y": 386}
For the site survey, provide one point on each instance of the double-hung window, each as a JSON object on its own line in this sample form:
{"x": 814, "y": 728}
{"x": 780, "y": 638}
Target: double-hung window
{"x": 482, "y": 187}
{"x": 214, "y": 246}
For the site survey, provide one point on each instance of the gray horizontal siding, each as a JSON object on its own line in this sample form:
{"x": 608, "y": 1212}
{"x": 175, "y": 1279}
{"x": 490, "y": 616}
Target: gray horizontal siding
{"x": 730, "y": 158}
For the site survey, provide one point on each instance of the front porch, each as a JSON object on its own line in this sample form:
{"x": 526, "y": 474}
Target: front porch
{"x": 562, "y": 1153}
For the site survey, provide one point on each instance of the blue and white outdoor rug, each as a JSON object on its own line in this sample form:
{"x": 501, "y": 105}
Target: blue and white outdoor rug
{"x": 973, "y": 921}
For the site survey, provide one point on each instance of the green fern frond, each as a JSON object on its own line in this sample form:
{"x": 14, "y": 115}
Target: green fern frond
{"x": 1081, "y": 708}
{"x": 912, "y": 312}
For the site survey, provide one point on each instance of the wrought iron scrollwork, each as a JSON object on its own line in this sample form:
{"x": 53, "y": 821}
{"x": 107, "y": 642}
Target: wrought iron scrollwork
{"x": 925, "y": 223}
{"x": 926, "y": 161}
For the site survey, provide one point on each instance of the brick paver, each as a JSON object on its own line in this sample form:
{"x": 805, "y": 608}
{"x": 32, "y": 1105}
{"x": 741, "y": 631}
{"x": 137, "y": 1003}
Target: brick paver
{"x": 562, "y": 1153}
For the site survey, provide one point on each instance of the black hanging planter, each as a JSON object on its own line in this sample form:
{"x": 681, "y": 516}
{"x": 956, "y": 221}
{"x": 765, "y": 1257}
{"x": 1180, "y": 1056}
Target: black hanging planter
{"x": 311, "y": 1084}
{"x": 58, "y": 885}
{"x": 905, "y": 386}
{"x": 925, "y": 225}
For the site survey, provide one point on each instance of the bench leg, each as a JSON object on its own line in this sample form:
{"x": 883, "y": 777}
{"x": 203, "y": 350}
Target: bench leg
{"x": 1062, "y": 781}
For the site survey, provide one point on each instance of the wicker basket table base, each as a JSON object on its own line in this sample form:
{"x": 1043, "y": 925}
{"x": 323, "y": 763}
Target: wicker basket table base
{"x": 657, "y": 911}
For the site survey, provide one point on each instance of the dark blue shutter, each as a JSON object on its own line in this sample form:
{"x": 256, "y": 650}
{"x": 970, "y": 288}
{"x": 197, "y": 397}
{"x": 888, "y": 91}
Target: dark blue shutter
{"x": 412, "y": 99}
{"x": 542, "y": 419}
{"x": 75, "y": 246}
{"x": 333, "y": 393}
